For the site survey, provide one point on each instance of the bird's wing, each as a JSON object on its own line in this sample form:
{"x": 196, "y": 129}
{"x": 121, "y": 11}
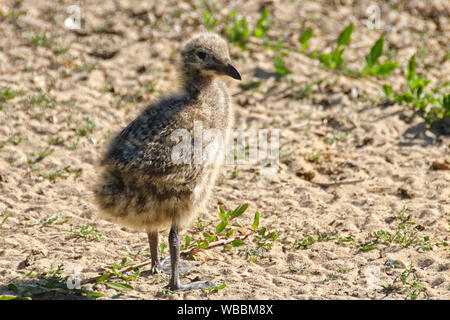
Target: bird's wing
{"x": 145, "y": 146}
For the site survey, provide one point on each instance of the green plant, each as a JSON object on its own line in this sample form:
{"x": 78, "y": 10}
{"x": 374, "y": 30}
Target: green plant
{"x": 40, "y": 39}
{"x": 262, "y": 241}
{"x": 134, "y": 256}
{"x": 49, "y": 282}
{"x": 53, "y": 174}
{"x": 255, "y": 223}
{"x": 50, "y": 220}
{"x": 199, "y": 224}
{"x": 334, "y": 60}
{"x": 315, "y": 158}
{"x": 116, "y": 270}
{"x": 406, "y": 235}
{"x": 408, "y": 281}
{"x": 88, "y": 128}
{"x": 11, "y": 297}
{"x": 215, "y": 288}
{"x": 162, "y": 249}
{"x": 40, "y": 99}
{"x": 280, "y": 67}
{"x": 311, "y": 240}
{"x": 150, "y": 86}
{"x": 265, "y": 238}
{"x": 238, "y": 29}
{"x": 431, "y": 105}
{"x": 263, "y": 25}
{"x": 55, "y": 140}
{"x": 367, "y": 246}
{"x": 124, "y": 276}
{"x": 86, "y": 232}
{"x": 40, "y": 155}
{"x": 373, "y": 66}
{"x": 387, "y": 90}
{"x": 230, "y": 233}
{"x": 5, "y": 216}
{"x": 208, "y": 21}
{"x": 166, "y": 293}
{"x": 14, "y": 139}
{"x": 223, "y": 230}
{"x": 304, "y": 38}
{"x": 7, "y": 93}
{"x": 73, "y": 145}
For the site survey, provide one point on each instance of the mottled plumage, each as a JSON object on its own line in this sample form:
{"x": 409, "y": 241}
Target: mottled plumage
{"x": 142, "y": 186}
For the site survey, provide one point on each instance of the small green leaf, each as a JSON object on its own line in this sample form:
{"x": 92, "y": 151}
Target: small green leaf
{"x": 220, "y": 287}
{"x": 446, "y": 104}
{"x": 206, "y": 234}
{"x": 344, "y": 37}
{"x": 336, "y": 59}
{"x": 263, "y": 25}
{"x": 187, "y": 241}
{"x": 95, "y": 294}
{"x": 222, "y": 214}
{"x": 238, "y": 29}
{"x": 221, "y": 226}
{"x": 228, "y": 214}
{"x": 208, "y": 21}
{"x": 304, "y": 38}
{"x": 239, "y": 210}
{"x": 51, "y": 219}
{"x": 255, "y": 224}
{"x": 411, "y": 70}
{"x": 280, "y": 67}
{"x": 237, "y": 242}
{"x": 206, "y": 16}
{"x": 273, "y": 235}
{"x": 262, "y": 232}
{"x": 13, "y": 288}
{"x": 349, "y": 239}
{"x": 202, "y": 245}
{"x": 325, "y": 59}
{"x": 229, "y": 233}
{"x": 387, "y": 90}
{"x": 4, "y": 219}
{"x": 9, "y": 297}
{"x": 375, "y": 53}
{"x": 119, "y": 286}
{"x": 103, "y": 277}
{"x": 384, "y": 69}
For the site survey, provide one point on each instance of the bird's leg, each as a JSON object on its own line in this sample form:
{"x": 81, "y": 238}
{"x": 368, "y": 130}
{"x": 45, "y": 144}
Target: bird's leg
{"x": 153, "y": 242}
{"x": 175, "y": 283}
{"x": 174, "y": 247}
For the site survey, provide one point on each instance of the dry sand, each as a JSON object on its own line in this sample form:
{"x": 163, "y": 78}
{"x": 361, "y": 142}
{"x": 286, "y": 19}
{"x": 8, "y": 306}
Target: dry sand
{"x": 100, "y": 75}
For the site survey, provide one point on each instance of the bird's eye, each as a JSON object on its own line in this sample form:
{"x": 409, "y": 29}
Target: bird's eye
{"x": 201, "y": 54}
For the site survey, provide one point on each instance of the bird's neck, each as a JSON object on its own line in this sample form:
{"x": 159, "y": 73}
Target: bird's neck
{"x": 194, "y": 82}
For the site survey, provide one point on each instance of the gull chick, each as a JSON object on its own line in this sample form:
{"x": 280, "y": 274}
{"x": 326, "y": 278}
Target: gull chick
{"x": 142, "y": 185}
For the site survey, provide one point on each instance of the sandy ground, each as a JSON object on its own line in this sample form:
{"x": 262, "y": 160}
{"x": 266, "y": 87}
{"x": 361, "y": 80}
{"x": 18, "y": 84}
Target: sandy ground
{"x": 77, "y": 88}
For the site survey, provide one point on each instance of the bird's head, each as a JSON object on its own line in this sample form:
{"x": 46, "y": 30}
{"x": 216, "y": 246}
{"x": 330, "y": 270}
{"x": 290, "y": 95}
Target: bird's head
{"x": 206, "y": 55}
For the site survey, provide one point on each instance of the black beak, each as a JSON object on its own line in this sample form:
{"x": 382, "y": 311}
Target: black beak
{"x": 232, "y": 72}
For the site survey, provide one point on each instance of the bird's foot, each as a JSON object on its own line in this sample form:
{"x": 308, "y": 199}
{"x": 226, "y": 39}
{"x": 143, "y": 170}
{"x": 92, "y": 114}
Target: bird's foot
{"x": 194, "y": 285}
{"x": 156, "y": 268}
{"x": 183, "y": 266}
